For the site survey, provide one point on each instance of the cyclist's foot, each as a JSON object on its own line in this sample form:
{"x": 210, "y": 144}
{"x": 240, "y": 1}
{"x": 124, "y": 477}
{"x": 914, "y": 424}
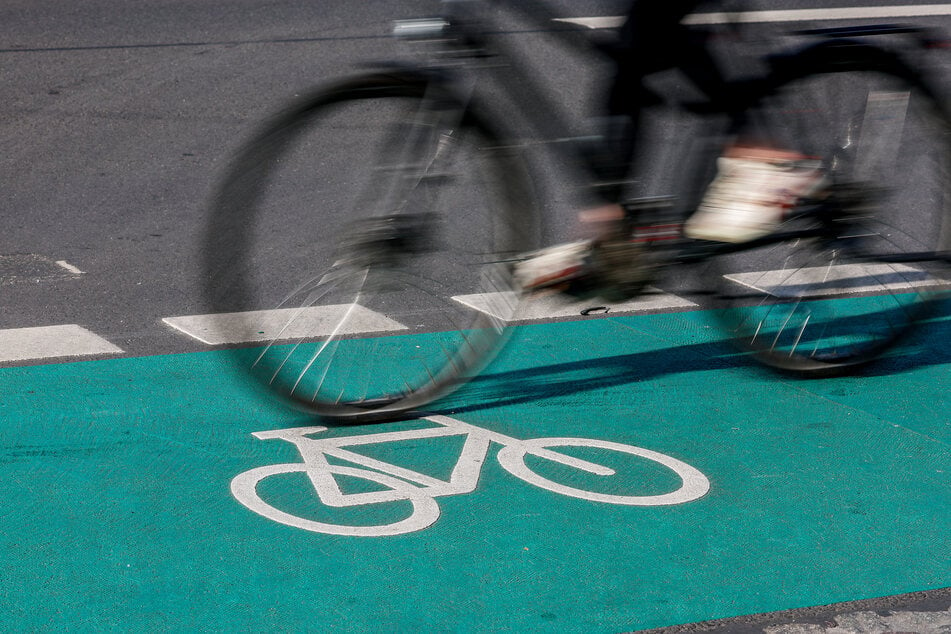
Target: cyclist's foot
{"x": 612, "y": 269}
{"x": 609, "y": 264}
{"x": 554, "y": 268}
{"x": 751, "y": 193}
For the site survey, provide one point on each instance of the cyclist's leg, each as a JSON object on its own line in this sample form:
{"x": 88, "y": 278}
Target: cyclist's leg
{"x": 606, "y": 262}
{"x": 758, "y": 178}
{"x": 651, "y": 39}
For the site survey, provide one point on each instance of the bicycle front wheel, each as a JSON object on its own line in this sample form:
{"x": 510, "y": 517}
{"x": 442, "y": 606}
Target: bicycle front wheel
{"x": 851, "y": 271}
{"x": 362, "y": 240}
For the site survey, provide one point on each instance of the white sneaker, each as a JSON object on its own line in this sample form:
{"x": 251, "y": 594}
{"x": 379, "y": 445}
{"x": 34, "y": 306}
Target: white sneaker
{"x": 749, "y": 197}
{"x": 552, "y": 267}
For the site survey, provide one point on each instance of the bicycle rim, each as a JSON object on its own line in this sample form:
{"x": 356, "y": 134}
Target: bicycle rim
{"x": 366, "y": 236}
{"x": 842, "y": 296}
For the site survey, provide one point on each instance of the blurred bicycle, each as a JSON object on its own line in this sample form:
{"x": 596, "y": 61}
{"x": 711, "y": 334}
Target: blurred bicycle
{"x": 399, "y": 200}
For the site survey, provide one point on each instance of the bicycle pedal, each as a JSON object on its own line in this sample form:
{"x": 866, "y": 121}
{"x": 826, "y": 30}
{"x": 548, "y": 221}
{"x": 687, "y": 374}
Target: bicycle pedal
{"x": 649, "y": 203}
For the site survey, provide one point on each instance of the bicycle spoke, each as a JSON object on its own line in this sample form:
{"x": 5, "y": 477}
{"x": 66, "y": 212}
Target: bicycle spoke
{"x": 351, "y": 202}
{"x": 845, "y": 291}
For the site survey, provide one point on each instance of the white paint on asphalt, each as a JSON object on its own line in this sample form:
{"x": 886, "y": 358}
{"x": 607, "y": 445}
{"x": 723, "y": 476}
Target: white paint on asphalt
{"x": 69, "y": 267}
{"x": 837, "y": 280}
{"x": 788, "y": 15}
{"x": 320, "y": 321}
{"x": 70, "y": 340}
{"x": 397, "y": 483}
{"x": 555, "y": 306}
{"x": 282, "y": 323}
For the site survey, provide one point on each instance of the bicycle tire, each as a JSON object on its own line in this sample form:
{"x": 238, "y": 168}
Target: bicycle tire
{"x": 400, "y": 290}
{"x": 876, "y": 262}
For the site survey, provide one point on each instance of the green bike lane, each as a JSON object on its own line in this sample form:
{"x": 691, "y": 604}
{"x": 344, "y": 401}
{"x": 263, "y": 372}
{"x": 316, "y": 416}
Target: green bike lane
{"x": 119, "y": 512}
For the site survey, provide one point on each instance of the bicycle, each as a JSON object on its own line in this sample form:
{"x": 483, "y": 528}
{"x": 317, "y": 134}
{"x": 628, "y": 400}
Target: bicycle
{"x": 400, "y": 484}
{"x": 444, "y": 203}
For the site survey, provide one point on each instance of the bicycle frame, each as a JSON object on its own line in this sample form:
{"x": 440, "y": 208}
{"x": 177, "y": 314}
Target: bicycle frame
{"x": 467, "y": 48}
{"x": 462, "y": 33}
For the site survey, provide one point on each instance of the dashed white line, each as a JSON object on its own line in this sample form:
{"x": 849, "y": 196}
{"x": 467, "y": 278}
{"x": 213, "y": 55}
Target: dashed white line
{"x": 555, "y": 306}
{"x": 837, "y": 280}
{"x": 282, "y": 323}
{"x": 314, "y": 322}
{"x": 70, "y": 340}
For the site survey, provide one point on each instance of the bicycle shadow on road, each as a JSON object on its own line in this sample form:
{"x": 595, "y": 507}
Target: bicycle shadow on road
{"x": 498, "y": 387}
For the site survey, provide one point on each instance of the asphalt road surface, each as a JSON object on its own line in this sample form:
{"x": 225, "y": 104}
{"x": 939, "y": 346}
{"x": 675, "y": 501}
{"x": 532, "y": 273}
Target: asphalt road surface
{"x": 118, "y": 123}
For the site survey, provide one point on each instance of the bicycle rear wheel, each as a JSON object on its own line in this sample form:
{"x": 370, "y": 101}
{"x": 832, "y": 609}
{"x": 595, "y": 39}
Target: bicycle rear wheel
{"x": 851, "y": 271}
{"x": 362, "y": 238}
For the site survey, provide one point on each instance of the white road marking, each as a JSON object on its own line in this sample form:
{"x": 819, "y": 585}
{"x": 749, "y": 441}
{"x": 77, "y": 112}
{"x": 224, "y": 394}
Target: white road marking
{"x": 69, "y": 267}
{"x": 282, "y": 323}
{"x": 787, "y": 15}
{"x": 70, "y": 340}
{"x": 401, "y": 484}
{"x": 553, "y": 306}
{"x": 318, "y": 321}
{"x": 837, "y": 280}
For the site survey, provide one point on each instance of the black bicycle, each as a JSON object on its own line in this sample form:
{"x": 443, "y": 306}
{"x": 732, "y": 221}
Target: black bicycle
{"x": 395, "y": 202}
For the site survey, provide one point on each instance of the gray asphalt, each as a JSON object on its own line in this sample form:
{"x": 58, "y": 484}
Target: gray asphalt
{"x": 116, "y": 124}
{"x": 118, "y": 121}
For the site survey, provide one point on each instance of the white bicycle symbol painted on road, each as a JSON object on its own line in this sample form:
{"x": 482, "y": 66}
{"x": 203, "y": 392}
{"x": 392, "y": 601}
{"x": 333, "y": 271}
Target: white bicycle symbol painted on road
{"x": 401, "y": 484}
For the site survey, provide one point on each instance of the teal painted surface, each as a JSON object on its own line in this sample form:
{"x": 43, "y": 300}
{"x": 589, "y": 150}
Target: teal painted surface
{"x": 118, "y": 514}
